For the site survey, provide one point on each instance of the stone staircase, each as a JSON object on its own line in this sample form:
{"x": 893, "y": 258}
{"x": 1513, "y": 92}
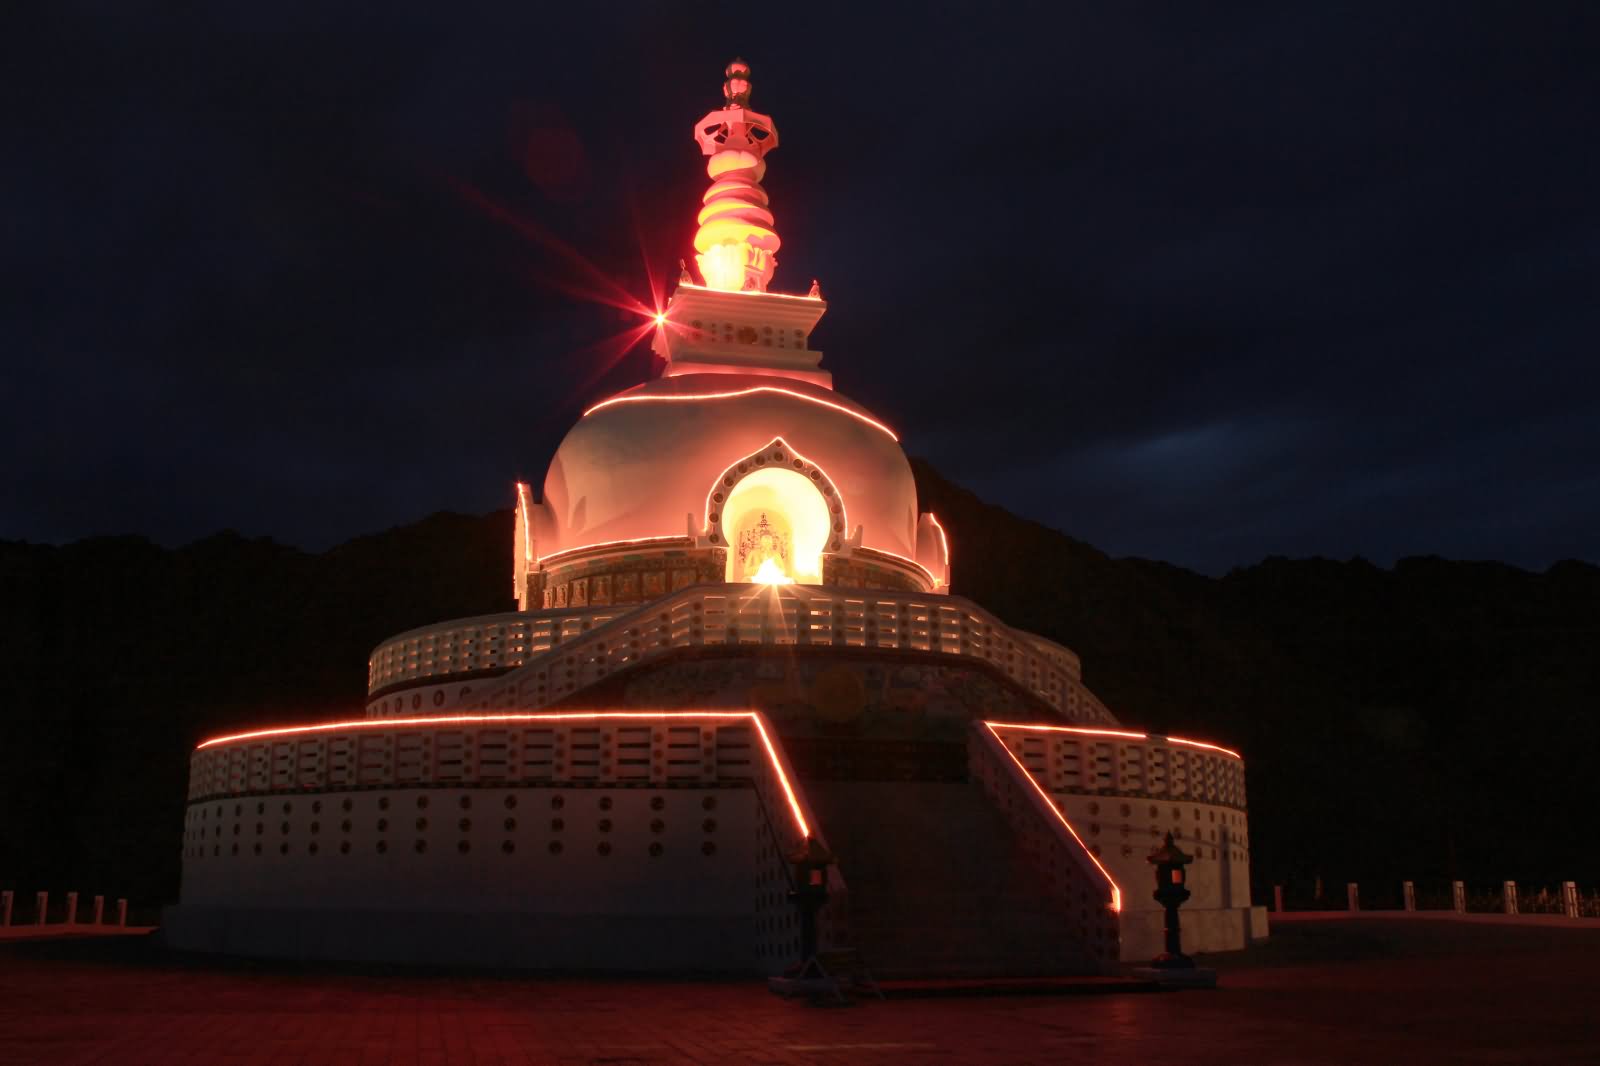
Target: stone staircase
{"x": 939, "y": 886}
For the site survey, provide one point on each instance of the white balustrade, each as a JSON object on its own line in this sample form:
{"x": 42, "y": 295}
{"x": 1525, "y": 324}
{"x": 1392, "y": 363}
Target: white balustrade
{"x": 545, "y": 658}
{"x": 1127, "y": 763}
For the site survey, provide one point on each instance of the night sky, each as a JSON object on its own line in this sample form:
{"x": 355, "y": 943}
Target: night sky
{"x": 1192, "y": 284}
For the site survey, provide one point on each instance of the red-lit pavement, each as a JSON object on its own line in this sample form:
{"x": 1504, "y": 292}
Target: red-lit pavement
{"x": 1348, "y": 991}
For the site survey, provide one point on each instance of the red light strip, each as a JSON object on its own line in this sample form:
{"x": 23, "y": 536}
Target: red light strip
{"x": 1203, "y": 744}
{"x": 484, "y": 719}
{"x": 686, "y": 397}
{"x": 1036, "y": 728}
{"x": 1116, "y": 890}
{"x": 609, "y": 544}
{"x": 1069, "y": 729}
{"x": 458, "y": 719}
{"x": 783, "y": 778}
{"x": 527, "y": 529}
{"x": 944, "y": 544}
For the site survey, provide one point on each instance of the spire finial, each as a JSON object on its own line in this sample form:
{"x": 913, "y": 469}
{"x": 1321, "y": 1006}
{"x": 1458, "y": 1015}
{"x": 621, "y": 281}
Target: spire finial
{"x": 736, "y": 243}
{"x": 736, "y": 85}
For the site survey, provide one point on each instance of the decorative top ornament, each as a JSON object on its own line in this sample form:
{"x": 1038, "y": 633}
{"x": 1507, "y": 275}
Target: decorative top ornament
{"x": 736, "y": 245}
{"x": 736, "y": 86}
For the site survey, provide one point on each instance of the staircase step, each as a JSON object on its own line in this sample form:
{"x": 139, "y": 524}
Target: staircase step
{"x": 939, "y": 886}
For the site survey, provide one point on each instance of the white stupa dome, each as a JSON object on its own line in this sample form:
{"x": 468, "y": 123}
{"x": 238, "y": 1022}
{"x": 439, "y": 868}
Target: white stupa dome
{"x": 647, "y": 462}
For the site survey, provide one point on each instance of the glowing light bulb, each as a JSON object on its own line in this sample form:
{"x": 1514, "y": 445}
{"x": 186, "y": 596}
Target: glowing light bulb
{"x": 771, "y": 573}
{"x": 661, "y": 318}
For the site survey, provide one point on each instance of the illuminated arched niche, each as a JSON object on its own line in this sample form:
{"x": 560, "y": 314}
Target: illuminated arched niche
{"x": 804, "y": 515}
{"x": 777, "y": 524}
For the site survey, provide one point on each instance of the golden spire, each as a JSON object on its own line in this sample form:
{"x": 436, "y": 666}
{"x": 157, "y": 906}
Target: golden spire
{"x": 736, "y": 245}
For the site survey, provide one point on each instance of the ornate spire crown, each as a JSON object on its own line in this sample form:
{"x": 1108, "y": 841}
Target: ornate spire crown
{"x": 736, "y": 245}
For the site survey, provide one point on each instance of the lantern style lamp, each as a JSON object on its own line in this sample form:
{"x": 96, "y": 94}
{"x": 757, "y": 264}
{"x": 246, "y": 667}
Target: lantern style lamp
{"x": 1171, "y": 892}
{"x": 810, "y": 891}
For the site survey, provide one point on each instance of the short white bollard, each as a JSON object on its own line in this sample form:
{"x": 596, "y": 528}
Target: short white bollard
{"x": 1408, "y": 892}
{"x": 99, "y": 909}
{"x": 1509, "y": 888}
{"x": 1352, "y": 894}
{"x": 41, "y": 903}
{"x": 122, "y": 913}
{"x": 72, "y": 908}
{"x": 5, "y": 909}
{"x": 1277, "y": 898}
{"x": 1458, "y": 896}
{"x": 1569, "y": 898}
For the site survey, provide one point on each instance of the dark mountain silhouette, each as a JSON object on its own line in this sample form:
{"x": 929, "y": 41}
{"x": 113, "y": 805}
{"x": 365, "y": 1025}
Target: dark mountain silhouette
{"x": 1424, "y": 721}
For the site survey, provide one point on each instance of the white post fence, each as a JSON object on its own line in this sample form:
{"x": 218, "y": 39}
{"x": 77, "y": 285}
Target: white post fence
{"x": 41, "y": 902}
{"x": 1571, "y": 903}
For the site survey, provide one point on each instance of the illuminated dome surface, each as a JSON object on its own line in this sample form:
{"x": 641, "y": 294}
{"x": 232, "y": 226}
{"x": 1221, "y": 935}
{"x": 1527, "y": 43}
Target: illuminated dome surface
{"x": 641, "y": 463}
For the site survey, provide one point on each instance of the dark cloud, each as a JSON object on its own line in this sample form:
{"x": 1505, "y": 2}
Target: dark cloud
{"x": 1195, "y": 285}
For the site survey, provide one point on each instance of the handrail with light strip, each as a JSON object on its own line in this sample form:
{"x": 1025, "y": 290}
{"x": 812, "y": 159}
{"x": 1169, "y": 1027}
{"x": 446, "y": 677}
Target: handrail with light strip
{"x": 773, "y": 758}
{"x": 1116, "y": 890}
{"x": 1037, "y": 728}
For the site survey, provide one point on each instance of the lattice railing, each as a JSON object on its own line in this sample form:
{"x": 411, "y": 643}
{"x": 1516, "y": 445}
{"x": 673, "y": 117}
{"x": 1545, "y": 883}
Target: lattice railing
{"x": 738, "y": 615}
{"x": 469, "y": 645}
{"x": 602, "y": 748}
{"x": 1118, "y": 762}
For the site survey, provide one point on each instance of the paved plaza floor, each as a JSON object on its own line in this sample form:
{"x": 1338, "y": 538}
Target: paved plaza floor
{"x": 1321, "y": 991}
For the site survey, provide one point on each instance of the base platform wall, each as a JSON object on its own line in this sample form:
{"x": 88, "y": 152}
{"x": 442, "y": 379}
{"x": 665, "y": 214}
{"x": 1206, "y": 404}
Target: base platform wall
{"x": 626, "y": 879}
{"x": 638, "y": 841}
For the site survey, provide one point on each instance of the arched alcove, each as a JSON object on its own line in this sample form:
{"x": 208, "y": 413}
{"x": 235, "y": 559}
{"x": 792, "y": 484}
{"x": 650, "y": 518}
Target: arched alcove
{"x": 777, "y": 524}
